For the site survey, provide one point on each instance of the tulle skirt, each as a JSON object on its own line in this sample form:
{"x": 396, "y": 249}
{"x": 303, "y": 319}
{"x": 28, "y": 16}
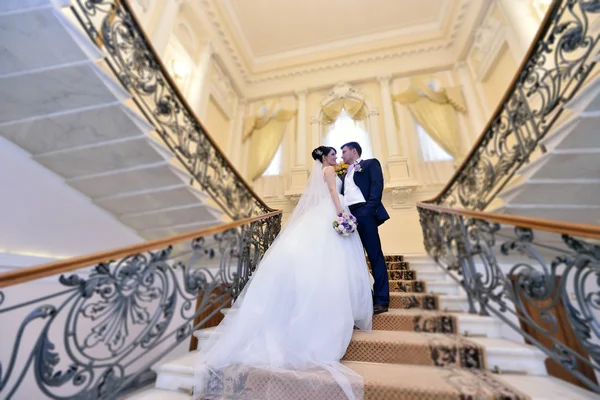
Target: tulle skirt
{"x": 287, "y": 331}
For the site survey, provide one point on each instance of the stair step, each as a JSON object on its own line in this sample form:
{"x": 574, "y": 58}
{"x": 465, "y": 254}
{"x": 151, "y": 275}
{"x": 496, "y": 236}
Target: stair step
{"x": 77, "y": 128}
{"x": 145, "y": 177}
{"x": 81, "y": 86}
{"x": 562, "y": 213}
{"x": 149, "y": 200}
{"x": 158, "y": 394}
{"x": 577, "y": 132}
{"x": 381, "y": 381}
{"x": 444, "y": 350}
{"x": 31, "y": 49}
{"x": 405, "y": 286}
{"x": 101, "y": 157}
{"x": 533, "y": 387}
{"x": 405, "y": 347}
{"x": 564, "y": 164}
{"x": 546, "y": 387}
{"x": 168, "y": 217}
{"x": 553, "y": 192}
{"x": 448, "y": 287}
{"x": 429, "y": 272}
{"x": 428, "y": 301}
{"x": 446, "y": 322}
{"x": 453, "y": 302}
{"x": 423, "y": 301}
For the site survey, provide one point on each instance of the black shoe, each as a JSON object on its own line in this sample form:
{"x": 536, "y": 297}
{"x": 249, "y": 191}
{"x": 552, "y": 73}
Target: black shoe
{"x": 379, "y": 309}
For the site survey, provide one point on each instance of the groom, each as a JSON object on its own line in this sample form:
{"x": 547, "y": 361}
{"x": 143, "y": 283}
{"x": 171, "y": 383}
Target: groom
{"x": 363, "y": 187}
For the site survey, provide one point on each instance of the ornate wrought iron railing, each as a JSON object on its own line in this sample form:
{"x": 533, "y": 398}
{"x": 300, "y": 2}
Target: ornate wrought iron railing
{"x": 94, "y": 331}
{"x": 556, "y": 65}
{"x": 113, "y": 27}
{"x": 539, "y": 277}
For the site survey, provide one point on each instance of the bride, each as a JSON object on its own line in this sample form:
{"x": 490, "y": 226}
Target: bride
{"x": 287, "y": 331}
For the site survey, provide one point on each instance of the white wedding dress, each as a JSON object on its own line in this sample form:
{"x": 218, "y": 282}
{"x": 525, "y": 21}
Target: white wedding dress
{"x": 287, "y": 331}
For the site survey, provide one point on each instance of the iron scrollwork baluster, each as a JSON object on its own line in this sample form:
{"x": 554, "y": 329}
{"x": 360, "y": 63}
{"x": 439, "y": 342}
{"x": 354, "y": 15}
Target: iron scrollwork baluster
{"x": 111, "y": 25}
{"x": 554, "y": 71}
{"x": 100, "y": 331}
{"x": 523, "y": 281}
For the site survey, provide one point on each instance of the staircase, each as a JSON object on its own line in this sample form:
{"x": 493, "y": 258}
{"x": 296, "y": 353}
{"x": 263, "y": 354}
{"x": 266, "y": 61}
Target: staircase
{"x": 63, "y": 105}
{"x": 563, "y": 183}
{"x": 424, "y": 347}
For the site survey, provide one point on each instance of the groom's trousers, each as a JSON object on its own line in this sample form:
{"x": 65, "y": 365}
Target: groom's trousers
{"x": 369, "y": 234}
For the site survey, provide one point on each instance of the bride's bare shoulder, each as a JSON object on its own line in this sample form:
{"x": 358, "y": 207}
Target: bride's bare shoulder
{"x": 328, "y": 170}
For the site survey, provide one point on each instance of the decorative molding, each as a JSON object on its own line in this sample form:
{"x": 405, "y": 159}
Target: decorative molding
{"x": 294, "y": 198}
{"x": 213, "y": 17}
{"x": 459, "y": 65}
{"x": 144, "y": 4}
{"x": 489, "y": 38}
{"x": 398, "y": 52}
{"x": 384, "y": 79}
{"x": 484, "y": 35}
{"x": 301, "y": 92}
{"x": 342, "y": 90}
{"x": 374, "y": 111}
{"x": 222, "y": 90}
{"x": 401, "y": 197}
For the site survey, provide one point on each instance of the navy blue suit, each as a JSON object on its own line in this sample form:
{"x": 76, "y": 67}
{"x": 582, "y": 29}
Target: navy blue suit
{"x": 369, "y": 180}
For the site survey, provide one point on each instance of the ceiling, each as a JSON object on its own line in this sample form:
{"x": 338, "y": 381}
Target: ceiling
{"x": 273, "y": 34}
{"x": 270, "y": 27}
{"x": 264, "y": 41}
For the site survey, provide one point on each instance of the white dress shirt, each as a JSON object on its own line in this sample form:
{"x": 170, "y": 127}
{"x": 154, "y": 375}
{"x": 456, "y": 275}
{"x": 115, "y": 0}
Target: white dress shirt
{"x": 352, "y": 192}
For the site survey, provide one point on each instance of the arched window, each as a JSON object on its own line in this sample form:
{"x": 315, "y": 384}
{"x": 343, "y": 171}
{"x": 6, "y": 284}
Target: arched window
{"x": 345, "y": 130}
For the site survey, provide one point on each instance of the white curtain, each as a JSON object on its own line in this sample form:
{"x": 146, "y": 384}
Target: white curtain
{"x": 274, "y": 167}
{"x": 430, "y": 150}
{"x": 433, "y": 165}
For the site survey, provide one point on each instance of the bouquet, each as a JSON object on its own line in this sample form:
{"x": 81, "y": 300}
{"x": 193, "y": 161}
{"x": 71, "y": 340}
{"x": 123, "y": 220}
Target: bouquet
{"x": 345, "y": 224}
{"x": 341, "y": 168}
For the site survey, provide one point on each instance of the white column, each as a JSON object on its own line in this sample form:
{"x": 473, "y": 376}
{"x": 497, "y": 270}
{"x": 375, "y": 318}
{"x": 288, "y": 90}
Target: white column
{"x": 389, "y": 125}
{"x": 299, "y": 174}
{"x": 474, "y": 114}
{"x": 397, "y": 164}
{"x": 375, "y": 133}
{"x": 236, "y": 140}
{"x": 315, "y": 127}
{"x": 522, "y": 22}
{"x": 199, "y": 92}
{"x": 164, "y": 26}
{"x": 301, "y": 133}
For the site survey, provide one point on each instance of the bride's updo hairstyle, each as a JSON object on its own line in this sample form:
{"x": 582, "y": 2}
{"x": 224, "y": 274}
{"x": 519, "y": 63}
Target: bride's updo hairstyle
{"x": 319, "y": 152}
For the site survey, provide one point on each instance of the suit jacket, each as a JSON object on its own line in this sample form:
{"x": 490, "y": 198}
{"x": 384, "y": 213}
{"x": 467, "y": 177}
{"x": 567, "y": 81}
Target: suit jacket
{"x": 370, "y": 182}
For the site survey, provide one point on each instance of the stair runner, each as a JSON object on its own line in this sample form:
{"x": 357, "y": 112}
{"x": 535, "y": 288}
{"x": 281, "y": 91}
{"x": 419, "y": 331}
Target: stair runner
{"x": 414, "y": 352}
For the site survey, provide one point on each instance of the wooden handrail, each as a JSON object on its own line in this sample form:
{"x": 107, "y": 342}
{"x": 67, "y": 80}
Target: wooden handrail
{"x": 583, "y": 230}
{"x": 498, "y": 110}
{"x": 173, "y": 85}
{"x": 59, "y": 267}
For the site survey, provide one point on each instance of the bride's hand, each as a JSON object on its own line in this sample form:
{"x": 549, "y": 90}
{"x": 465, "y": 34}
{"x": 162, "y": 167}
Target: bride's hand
{"x": 340, "y": 212}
